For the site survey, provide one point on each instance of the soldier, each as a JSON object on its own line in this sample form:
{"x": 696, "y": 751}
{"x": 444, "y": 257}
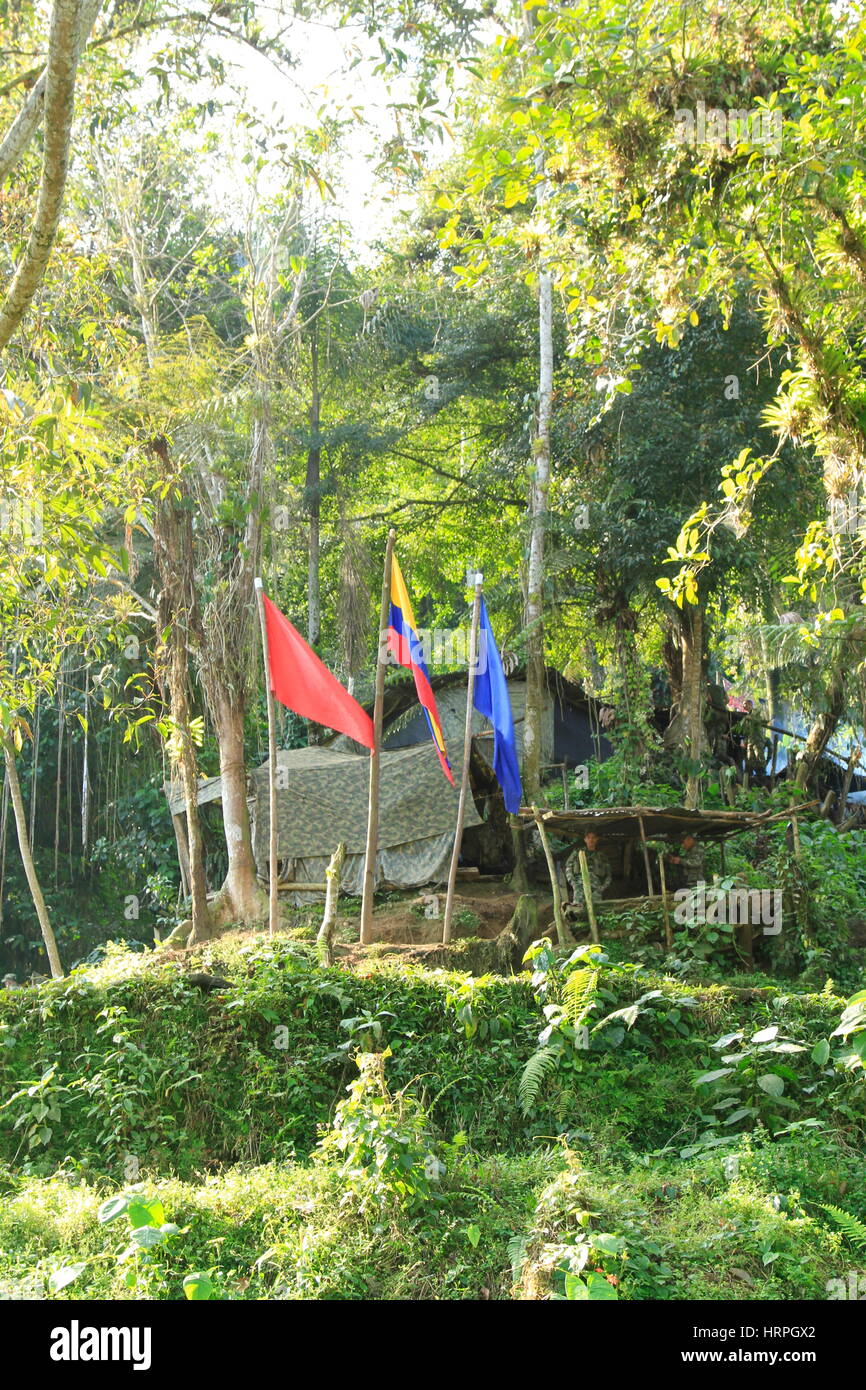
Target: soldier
{"x": 689, "y": 862}
{"x": 599, "y": 870}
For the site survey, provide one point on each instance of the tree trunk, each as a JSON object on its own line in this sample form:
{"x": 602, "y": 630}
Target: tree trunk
{"x": 822, "y": 729}
{"x": 241, "y": 899}
{"x": 201, "y": 924}
{"x": 27, "y": 858}
{"x": 512, "y": 944}
{"x": 692, "y": 637}
{"x": 59, "y": 107}
{"x": 519, "y": 874}
{"x": 22, "y": 130}
{"x": 314, "y": 495}
{"x": 771, "y": 672}
{"x": 535, "y": 672}
{"x": 178, "y": 618}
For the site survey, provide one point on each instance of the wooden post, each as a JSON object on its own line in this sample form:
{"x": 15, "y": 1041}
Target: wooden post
{"x": 182, "y": 855}
{"x": 467, "y": 756}
{"x": 373, "y": 803}
{"x": 646, "y": 858}
{"x": 563, "y": 935}
{"x": 324, "y": 941}
{"x": 853, "y": 760}
{"x": 669, "y": 934}
{"x": 627, "y": 856}
{"x": 273, "y": 873}
{"x": 587, "y": 894}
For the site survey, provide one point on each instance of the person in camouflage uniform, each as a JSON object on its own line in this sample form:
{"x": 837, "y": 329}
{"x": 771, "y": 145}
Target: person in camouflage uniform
{"x": 689, "y": 863}
{"x": 599, "y": 871}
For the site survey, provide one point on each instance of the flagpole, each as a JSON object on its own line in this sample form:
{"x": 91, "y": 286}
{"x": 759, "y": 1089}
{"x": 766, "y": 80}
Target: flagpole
{"x": 373, "y": 804}
{"x": 274, "y": 898}
{"x": 467, "y": 756}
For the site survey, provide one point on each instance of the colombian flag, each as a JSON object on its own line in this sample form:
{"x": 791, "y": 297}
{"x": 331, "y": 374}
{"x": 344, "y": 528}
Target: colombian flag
{"x": 404, "y": 644}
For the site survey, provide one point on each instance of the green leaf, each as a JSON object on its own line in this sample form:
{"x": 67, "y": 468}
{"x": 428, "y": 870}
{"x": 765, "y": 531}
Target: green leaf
{"x": 198, "y": 1287}
{"x": 710, "y": 1076}
{"x": 114, "y": 1207}
{"x": 821, "y": 1051}
{"x": 771, "y": 1083}
{"x": 473, "y": 1235}
{"x": 146, "y": 1213}
{"x": 148, "y": 1236}
{"x": 608, "y": 1244}
{"x": 62, "y": 1278}
{"x": 598, "y": 1288}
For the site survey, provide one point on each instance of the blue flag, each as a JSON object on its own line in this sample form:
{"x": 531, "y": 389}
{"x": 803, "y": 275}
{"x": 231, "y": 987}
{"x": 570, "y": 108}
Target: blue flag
{"x": 491, "y": 700}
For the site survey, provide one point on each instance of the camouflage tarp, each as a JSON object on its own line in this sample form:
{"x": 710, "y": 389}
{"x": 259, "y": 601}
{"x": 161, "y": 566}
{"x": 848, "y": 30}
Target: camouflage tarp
{"x": 322, "y": 799}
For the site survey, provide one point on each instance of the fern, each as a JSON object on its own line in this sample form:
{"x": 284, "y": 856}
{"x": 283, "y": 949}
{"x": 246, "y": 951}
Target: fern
{"x": 537, "y": 1068}
{"x": 517, "y": 1255}
{"x": 851, "y": 1228}
{"x": 579, "y": 994}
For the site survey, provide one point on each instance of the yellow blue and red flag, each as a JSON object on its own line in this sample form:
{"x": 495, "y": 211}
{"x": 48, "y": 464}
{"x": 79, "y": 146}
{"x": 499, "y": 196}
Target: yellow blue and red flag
{"x": 405, "y": 646}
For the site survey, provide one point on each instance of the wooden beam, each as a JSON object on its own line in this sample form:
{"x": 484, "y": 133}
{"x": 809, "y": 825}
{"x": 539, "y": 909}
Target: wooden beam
{"x": 563, "y": 935}
{"x": 587, "y": 894}
{"x": 646, "y": 858}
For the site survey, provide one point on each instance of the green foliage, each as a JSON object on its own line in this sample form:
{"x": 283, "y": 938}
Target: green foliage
{"x": 539, "y": 1066}
{"x": 137, "y": 1261}
{"x": 852, "y": 1029}
{"x": 757, "y": 1084}
{"x": 852, "y": 1229}
{"x": 385, "y": 1150}
{"x": 400, "y": 1199}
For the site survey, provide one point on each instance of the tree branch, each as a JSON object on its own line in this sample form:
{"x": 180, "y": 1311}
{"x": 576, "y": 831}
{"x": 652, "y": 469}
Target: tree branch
{"x": 59, "y": 107}
{"x": 29, "y": 118}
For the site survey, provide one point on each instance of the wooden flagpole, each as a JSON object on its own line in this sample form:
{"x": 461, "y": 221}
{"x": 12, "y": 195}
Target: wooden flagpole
{"x": 273, "y": 899}
{"x": 373, "y": 804}
{"x": 467, "y": 755}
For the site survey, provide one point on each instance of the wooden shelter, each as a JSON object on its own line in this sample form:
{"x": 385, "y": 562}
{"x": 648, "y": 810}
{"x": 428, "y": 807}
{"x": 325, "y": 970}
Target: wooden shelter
{"x": 624, "y": 831}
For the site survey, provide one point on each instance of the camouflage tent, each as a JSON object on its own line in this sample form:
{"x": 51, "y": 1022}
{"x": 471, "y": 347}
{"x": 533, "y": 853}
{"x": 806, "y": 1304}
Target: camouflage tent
{"x": 322, "y": 799}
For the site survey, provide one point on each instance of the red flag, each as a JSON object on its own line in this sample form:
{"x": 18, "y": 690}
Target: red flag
{"x": 304, "y": 684}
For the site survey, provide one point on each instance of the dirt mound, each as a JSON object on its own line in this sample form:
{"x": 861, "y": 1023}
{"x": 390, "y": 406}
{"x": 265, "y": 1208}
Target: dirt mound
{"x": 418, "y": 920}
